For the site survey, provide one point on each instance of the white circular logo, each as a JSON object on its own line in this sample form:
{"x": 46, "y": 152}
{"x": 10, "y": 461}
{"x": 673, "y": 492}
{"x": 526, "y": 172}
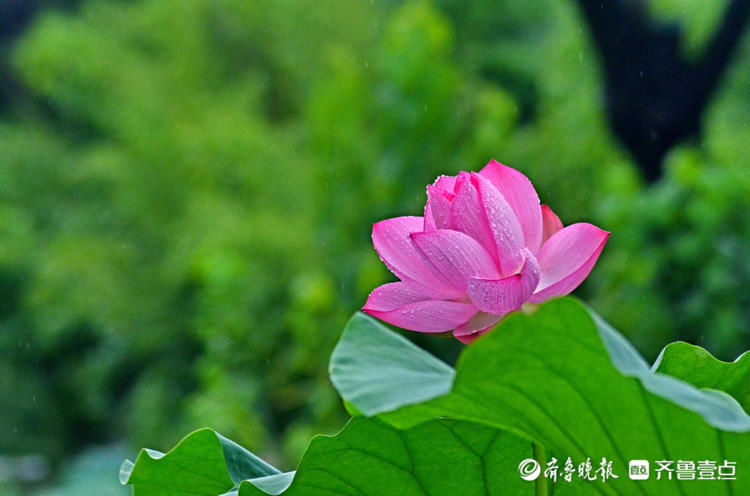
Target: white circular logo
{"x": 529, "y": 469}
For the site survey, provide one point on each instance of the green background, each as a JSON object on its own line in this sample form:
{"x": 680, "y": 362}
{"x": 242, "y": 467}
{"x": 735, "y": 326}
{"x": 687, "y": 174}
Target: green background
{"x": 187, "y": 189}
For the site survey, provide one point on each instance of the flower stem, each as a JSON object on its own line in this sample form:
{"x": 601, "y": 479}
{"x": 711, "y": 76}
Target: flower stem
{"x": 541, "y": 457}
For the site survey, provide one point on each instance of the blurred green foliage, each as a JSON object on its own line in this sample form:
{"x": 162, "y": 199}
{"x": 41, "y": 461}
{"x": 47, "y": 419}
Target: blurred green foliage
{"x": 188, "y": 188}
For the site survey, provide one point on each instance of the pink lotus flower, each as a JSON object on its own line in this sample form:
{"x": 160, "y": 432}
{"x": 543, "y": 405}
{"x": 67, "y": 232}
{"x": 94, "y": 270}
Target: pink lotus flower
{"x": 484, "y": 247}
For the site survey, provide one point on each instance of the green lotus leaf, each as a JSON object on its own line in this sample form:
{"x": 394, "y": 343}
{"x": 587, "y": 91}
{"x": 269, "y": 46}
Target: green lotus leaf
{"x": 565, "y": 379}
{"x": 697, "y": 366}
{"x": 368, "y": 457}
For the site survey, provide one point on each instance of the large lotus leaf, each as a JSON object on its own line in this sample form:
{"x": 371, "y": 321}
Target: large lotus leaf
{"x": 367, "y": 458}
{"x": 563, "y": 378}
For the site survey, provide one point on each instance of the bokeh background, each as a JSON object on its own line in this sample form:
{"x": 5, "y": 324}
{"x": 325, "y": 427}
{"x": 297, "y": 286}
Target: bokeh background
{"x": 187, "y": 189}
